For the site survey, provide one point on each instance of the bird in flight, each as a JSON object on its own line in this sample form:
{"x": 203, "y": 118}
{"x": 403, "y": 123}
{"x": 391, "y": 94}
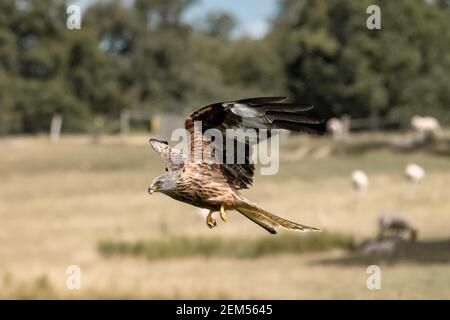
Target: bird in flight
{"x": 216, "y": 185}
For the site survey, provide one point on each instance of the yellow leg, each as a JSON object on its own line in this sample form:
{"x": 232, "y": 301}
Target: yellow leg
{"x": 223, "y": 214}
{"x": 210, "y": 221}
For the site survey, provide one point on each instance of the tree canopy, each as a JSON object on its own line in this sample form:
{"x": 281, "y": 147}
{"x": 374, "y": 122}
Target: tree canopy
{"x": 143, "y": 56}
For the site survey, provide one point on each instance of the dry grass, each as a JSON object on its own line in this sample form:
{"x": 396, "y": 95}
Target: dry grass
{"x": 57, "y": 202}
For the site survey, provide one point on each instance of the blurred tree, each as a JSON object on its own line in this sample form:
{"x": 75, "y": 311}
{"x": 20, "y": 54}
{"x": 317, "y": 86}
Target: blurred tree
{"x": 141, "y": 55}
{"x": 162, "y": 13}
{"x": 219, "y": 25}
{"x": 332, "y": 59}
{"x": 254, "y": 64}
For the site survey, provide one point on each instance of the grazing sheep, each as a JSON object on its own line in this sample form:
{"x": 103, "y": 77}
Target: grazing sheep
{"x": 379, "y": 247}
{"x": 360, "y": 181}
{"x": 414, "y": 173}
{"x": 395, "y": 225}
{"x": 336, "y": 127}
{"x": 425, "y": 126}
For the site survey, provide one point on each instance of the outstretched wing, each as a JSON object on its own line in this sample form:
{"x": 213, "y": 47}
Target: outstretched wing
{"x": 173, "y": 159}
{"x": 254, "y": 113}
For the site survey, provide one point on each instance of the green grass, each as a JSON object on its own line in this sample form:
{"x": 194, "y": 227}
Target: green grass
{"x": 175, "y": 247}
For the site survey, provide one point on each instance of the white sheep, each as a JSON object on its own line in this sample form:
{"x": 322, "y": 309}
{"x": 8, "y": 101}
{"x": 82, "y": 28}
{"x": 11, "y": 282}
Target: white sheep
{"x": 360, "y": 181}
{"x": 414, "y": 173}
{"x": 425, "y": 125}
{"x": 336, "y": 127}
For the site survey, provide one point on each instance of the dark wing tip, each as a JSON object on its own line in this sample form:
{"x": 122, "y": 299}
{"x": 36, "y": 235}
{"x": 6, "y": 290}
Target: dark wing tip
{"x": 260, "y": 100}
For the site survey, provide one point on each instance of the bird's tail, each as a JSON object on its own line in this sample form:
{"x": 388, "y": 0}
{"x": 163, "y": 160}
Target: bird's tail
{"x": 265, "y": 219}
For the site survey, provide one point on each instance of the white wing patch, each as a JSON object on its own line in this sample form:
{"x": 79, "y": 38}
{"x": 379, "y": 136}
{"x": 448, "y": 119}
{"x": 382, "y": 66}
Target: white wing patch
{"x": 244, "y": 111}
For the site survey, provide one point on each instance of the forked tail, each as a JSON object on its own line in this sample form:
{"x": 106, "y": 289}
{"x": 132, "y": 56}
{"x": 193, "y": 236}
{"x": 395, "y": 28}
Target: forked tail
{"x": 265, "y": 219}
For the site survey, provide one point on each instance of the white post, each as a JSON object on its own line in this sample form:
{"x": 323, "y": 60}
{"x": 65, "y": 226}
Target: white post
{"x": 124, "y": 123}
{"x": 55, "y": 128}
{"x": 346, "y": 121}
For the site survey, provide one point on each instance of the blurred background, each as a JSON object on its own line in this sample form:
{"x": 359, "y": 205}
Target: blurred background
{"x": 77, "y": 108}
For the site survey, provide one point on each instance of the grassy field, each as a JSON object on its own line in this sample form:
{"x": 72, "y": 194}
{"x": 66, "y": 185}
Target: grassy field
{"x": 69, "y": 203}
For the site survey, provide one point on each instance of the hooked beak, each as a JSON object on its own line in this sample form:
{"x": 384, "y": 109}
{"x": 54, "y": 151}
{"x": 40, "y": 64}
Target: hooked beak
{"x": 150, "y": 190}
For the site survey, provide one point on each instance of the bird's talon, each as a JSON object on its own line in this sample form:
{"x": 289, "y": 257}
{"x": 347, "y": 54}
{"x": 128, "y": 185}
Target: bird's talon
{"x": 223, "y": 214}
{"x": 210, "y": 221}
{"x": 211, "y": 224}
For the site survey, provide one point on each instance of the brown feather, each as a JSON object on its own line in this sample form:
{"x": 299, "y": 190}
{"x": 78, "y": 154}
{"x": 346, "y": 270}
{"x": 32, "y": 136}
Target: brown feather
{"x": 269, "y": 113}
{"x": 212, "y": 185}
